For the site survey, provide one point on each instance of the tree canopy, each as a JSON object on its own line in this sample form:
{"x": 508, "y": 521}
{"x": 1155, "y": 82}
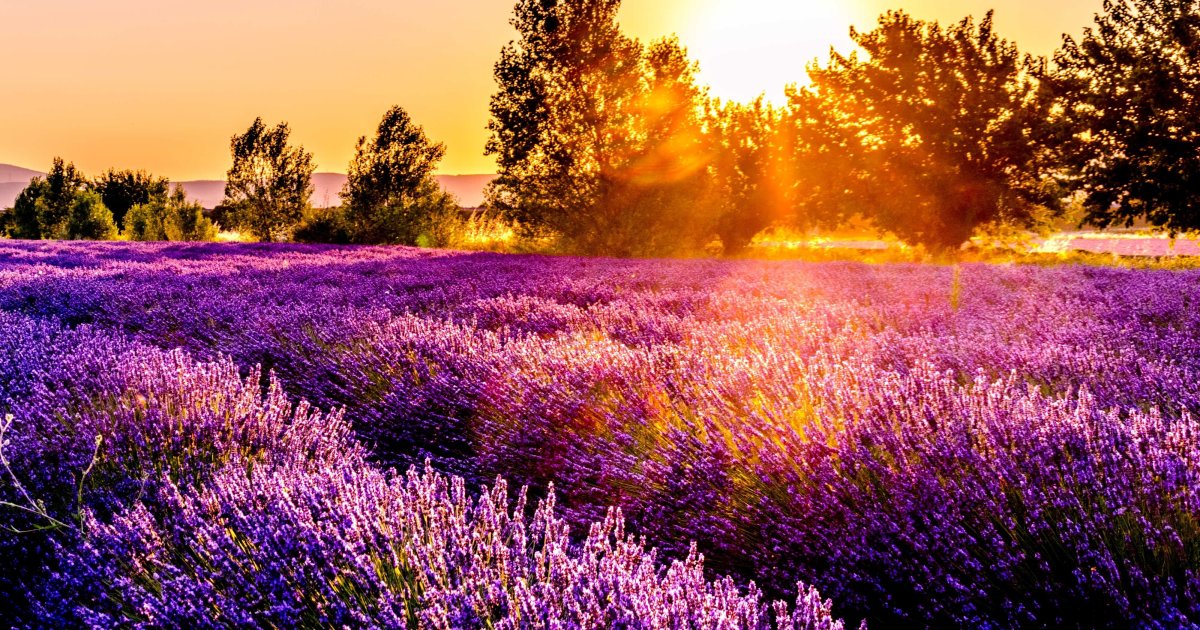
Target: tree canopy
{"x": 754, "y": 184}
{"x": 1129, "y": 90}
{"x": 270, "y": 182}
{"x": 391, "y": 194}
{"x": 121, "y": 190}
{"x": 950, "y": 134}
{"x": 60, "y": 206}
{"x": 594, "y": 134}
{"x": 168, "y": 218}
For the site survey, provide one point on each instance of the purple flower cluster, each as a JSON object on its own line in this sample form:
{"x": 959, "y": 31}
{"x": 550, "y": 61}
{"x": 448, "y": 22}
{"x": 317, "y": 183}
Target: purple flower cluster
{"x": 993, "y": 446}
{"x": 289, "y": 544}
{"x": 144, "y": 486}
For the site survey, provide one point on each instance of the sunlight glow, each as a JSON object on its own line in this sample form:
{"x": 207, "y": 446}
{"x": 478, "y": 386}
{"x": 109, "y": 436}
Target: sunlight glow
{"x": 748, "y": 47}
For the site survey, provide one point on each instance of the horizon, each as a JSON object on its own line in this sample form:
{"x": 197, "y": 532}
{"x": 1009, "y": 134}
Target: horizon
{"x": 130, "y": 84}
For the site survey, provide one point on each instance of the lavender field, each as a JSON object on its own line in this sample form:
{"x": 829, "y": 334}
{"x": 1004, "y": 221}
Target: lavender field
{"x": 274, "y": 435}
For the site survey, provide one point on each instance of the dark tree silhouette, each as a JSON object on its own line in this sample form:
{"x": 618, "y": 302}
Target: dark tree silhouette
{"x": 595, "y": 135}
{"x": 949, "y": 134}
{"x": 122, "y": 190}
{"x": 1130, "y": 93}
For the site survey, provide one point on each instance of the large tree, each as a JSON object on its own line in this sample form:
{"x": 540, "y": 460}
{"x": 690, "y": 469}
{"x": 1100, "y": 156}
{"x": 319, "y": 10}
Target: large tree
{"x": 1130, "y": 93}
{"x": 592, "y": 131}
{"x": 949, "y": 132}
{"x": 391, "y": 194}
{"x": 270, "y": 182}
{"x": 754, "y": 184}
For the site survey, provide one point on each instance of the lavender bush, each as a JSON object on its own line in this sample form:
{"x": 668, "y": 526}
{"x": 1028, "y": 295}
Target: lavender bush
{"x": 993, "y": 446}
{"x": 297, "y": 545}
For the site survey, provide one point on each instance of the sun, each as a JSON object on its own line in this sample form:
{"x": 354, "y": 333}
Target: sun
{"x": 751, "y": 47}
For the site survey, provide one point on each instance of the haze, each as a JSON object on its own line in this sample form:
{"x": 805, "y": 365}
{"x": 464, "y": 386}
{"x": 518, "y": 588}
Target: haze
{"x": 163, "y": 85}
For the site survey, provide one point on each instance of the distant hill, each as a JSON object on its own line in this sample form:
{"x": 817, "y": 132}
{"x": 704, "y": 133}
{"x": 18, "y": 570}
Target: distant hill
{"x": 326, "y": 187}
{"x": 15, "y": 174}
{"x": 468, "y": 188}
{"x": 9, "y": 192}
{"x": 209, "y": 193}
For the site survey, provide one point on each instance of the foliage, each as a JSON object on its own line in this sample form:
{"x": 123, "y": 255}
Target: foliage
{"x": 391, "y": 195}
{"x": 404, "y": 221}
{"x": 88, "y": 220}
{"x": 60, "y": 206}
{"x": 169, "y": 219}
{"x": 270, "y": 182}
{"x": 1129, "y": 90}
{"x": 42, "y": 208}
{"x": 325, "y": 225}
{"x": 122, "y": 190}
{"x": 949, "y": 134}
{"x": 751, "y": 170}
{"x": 596, "y": 136}
{"x": 394, "y": 165}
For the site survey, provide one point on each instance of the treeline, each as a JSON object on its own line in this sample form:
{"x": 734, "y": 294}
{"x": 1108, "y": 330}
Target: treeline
{"x": 606, "y": 145}
{"x": 929, "y": 132}
{"x": 134, "y": 205}
{"x": 391, "y": 196}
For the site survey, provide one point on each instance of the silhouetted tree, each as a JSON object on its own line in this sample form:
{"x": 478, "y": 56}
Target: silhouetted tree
{"x": 750, "y": 167}
{"x": 122, "y": 190}
{"x": 593, "y": 134}
{"x": 659, "y": 201}
{"x": 391, "y": 193}
{"x": 949, "y": 133}
{"x": 1130, "y": 93}
{"x": 270, "y": 182}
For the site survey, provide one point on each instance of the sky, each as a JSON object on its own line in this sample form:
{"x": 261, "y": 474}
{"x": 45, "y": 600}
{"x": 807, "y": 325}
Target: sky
{"x": 162, "y": 85}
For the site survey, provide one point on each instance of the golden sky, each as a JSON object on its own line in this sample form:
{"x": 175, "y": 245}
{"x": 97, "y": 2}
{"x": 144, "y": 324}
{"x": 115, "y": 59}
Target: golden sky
{"x": 163, "y": 84}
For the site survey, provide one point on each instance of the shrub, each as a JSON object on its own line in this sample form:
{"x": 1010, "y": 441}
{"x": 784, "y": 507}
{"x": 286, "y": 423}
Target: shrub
{"x": 169, "y": 219}
{"x": 325, "y": 225}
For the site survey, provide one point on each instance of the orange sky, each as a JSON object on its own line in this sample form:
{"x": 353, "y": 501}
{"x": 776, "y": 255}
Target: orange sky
{"x": 163, "y": 84}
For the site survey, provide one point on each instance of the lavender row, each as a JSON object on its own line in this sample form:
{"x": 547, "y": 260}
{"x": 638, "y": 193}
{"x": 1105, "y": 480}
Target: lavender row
{"x": 143, "y": 488}
{"x": 994, "y": 446}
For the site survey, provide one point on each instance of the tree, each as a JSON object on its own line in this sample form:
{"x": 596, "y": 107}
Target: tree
{"x": 171, "y": 218}
{"x": 950, "y": 134}
{"x": 590, "y": 129}
{"x": 60, "y": 206}
{"x": 43, "y": 207}
{"x": 1130, "y": 95}
{"x": 750, "y": 169}
{"x": 391, "y": 193}
{"x": 270, "y": 182}
{"x": 122, "y": 190}
{"x": 88, "y": 219}
{"x": 659, "y": 201}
